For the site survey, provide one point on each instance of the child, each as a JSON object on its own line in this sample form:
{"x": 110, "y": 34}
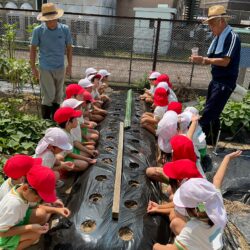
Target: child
{"x": 54, "y": 142}
{"x": 149, "y": 121}
{"x": 74, "y": 91}
{"x": 66, "y": 118}
{"x": 90, "y": 71}
{"x": 149, "y": 93}
{"x": 199, "y": 137}
{"x": 87, "y": 85}
{"x": 77, "y": 132}
{"x": 16, "y": 169}
{"x": 16, "y": 232}
{"x": 176, "y": 172}
{"x": 172, "y": 96}
{"x": 104, "y": 80}
{"x": 202, "y": 202}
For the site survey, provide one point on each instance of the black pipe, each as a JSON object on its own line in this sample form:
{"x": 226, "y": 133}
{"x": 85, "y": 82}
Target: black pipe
{"x": 156, "y": 43}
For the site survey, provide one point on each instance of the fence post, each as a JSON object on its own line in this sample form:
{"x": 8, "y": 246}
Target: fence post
{"x": 191, "y": 75}
{"x": 156, "y": 43}
{"x": 131, "y": 60}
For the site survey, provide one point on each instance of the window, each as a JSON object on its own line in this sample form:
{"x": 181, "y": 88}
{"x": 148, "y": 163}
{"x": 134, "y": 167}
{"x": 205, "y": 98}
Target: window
{"x": 14, "y": 19}
{"x": 80, "y": 27}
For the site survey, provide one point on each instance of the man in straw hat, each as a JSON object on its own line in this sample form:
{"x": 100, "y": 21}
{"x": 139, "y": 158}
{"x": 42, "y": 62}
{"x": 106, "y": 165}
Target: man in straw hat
{"x": 224, "y": 56}
{"x": 52, "y": 38}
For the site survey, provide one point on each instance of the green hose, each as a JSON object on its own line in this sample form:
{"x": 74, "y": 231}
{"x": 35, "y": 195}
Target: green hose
{"x": 127, "y": 120}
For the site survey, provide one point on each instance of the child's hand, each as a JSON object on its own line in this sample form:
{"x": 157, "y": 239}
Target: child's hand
{"x": 152, "y": 207}
{"x": 234, "y": 154}
{"x": 58, "y": 203}
{"x": 94, "y": 153}
{"x": 63, "y": 211}
{"x": 195, "y": 118}
{"x": 40, "y": 229}
{"x": 91, "y": 161}
{"x": 68, "y": 165}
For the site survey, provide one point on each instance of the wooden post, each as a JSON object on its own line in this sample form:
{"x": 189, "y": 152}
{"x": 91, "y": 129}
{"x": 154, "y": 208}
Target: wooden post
{"x": 118, "y": 175}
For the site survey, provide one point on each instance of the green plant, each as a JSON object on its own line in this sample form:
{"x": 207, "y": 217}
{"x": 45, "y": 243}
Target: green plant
{"x": 143, "y": 82}
{"x": 19, "y": 132}
{"x": 8, "y": 39}
{"x": 234, "y": 114}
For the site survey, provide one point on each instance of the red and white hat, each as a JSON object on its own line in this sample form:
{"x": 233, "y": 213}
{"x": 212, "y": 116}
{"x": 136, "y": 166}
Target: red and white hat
{"x": 90, "y": 71}
{"x": 55, "y": 137}
{"x": 43, "y": 180}
{"x": 92, "y": 77}
{"x": 73, "y": 89}
{"x": 198, "y": 191}
{"x": 175, "y": 106}
{"x": 19, "y": 165}
{"x": 181, "y": 169}
{"x": 85, "y": 83}
{"x": 161, "y": 97}
{"x": 154, "y": 75}
{"x": 164, "y": 78}
{"x": 103, "y": 73}
{"x": 183, "y": 148}
{"x": 71, "y": 102}
{"x": 66, "y": 113}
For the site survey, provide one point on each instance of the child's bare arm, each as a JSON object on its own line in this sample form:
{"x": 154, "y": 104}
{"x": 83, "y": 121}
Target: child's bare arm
{"x": 219, "y": 176}
{"x": 18, "y": 230}
{"x": 192, "y": 127}
{"x": 158, "y": 246}
{"x": 56, "y": 210}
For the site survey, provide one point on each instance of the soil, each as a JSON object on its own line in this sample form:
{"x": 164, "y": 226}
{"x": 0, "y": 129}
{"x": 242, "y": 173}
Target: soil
{"x": 31, "y": 103}
{"x": 95, "y": 197}
{"x": 101, "y": 177}
{"x": 88, "y": 226}
{"x": 126, "y": 234}
{"x": 131, "y": 204}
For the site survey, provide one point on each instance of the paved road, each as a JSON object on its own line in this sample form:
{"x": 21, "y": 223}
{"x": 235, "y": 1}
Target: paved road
{"x": 179, "y": 72}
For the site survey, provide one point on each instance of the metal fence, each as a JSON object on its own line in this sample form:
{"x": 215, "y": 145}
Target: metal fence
{"x": 127, "y": 47}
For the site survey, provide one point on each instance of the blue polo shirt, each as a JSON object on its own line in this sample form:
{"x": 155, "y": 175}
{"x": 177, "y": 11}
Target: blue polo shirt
{"x": 51, "y": 45}
{"x": 228, "y": 75}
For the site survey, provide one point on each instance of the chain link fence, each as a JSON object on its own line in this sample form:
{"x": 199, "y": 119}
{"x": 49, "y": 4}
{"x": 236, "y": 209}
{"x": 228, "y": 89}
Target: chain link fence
{"x": 127, "y": 47}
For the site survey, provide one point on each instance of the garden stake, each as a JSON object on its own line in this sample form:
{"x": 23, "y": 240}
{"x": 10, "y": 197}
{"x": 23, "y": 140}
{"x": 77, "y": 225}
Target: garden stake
{"x": 118, "y": 175}
{"x": 127, "y": 120}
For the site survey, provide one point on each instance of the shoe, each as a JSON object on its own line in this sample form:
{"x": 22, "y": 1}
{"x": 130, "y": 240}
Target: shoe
{"x": 46, "y": 112}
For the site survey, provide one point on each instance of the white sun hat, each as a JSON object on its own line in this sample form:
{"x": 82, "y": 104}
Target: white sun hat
{"x": 90, "y": 71}
{"x": 198, "y": 191}
{"x": 85, "y": 83}
{"x": 104, "y": 72}
{"x": 71, "y": 102}
{"x": 154, "y": 75}
{"x": 192, "y": 110}
{"x": 55, "y": 137}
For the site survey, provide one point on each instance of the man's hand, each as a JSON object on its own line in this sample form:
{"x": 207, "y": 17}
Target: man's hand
{"x": 234, "y": 154}
{"x": 196, "y": 59}
{"x": 35, "y": 73}
{"x": 69, "y": 70}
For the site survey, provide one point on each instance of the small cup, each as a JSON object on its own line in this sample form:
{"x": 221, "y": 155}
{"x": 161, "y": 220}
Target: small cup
{"x": 195, "y": 51}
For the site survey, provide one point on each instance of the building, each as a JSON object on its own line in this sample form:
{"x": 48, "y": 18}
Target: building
{"x": 19, "y": 4}
{"x": 229, "y": 4}
{"x": 145, "y": 30}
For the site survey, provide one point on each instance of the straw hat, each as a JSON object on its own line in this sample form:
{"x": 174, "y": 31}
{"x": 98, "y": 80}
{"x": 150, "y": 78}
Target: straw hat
{"x": 215, "y": 12}
{"x": 49, "y": 12}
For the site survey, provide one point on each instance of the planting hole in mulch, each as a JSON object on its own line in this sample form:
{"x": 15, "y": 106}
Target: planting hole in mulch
{"x": 134, "y": 152}
{"x": 101, "y": 178}
{"x": 131, "y": 204}
{"x": 95, "y": 197}
{"x": 116, "y": 114}
{"x": 133, "y": 183}
{"x": 126, "y": 234}
{"x": 107, "y": 160}
{"x": 137, "y": 115}
{"x": 133, "y": 165}
{"x": 88, "y": 226}
{"x": 110, "y": 138}
{"x": 135, "y": 141}
{"x": 109, "y": 149}
{"x": 117, "y": 109}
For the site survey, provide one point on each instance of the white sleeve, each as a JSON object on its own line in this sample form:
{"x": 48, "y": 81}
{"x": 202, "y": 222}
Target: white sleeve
{"x": 159, "y": 112}
{"x": 9, "y": 213}
{"x": 4, "y": 189}
{"x": 185, "y": 238}
{"x": 48, "y": 159}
